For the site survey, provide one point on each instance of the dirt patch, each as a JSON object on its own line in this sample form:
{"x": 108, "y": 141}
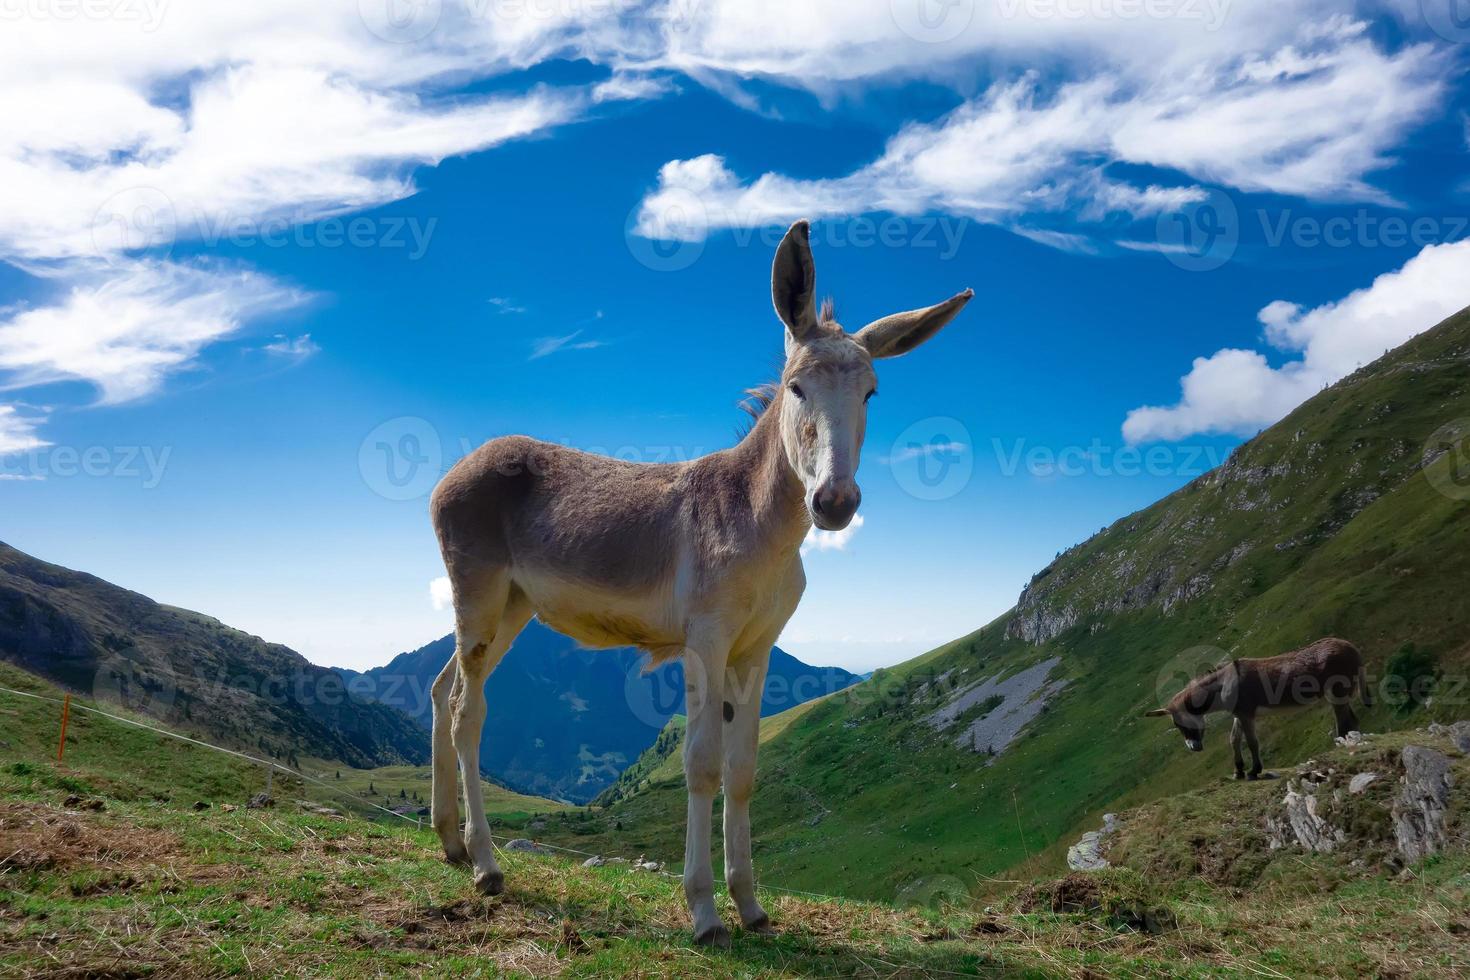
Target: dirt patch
{"x": 1074, "y": 893}
{"x": 38, "y": 837}
{"x": 109, "y": 884}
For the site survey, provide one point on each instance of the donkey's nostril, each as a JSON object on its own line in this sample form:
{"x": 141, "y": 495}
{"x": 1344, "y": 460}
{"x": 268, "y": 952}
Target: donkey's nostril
{"x": 834, "y": 507}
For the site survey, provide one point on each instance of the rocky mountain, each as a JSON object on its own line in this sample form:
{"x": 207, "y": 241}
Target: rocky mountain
{"x": 564, "y": 721}
{"x": 1350, "y": 517}
{"x": 190, "y": 671}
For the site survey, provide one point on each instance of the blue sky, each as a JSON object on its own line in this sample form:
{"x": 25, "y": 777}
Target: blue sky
{"x": 267, "y": 272}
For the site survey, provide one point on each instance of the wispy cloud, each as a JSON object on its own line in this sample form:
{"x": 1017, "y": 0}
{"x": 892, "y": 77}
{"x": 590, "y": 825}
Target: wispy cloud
{"x": 299, "y": 348}
{"x": 129, "y": 329}
{"x": 120, "y": 140}
{"x": 915, "y": 450}
{"x": 18, "y": 432}
{"x": 1312, "y": 116}
{"x": 505, "y": 304}
{"x": 546, "y": 346}
{"x": 831, "y": 540}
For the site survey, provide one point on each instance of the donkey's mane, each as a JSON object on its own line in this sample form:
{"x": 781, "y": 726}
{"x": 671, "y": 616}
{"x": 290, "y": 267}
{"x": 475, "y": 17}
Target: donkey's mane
{"x": 760, "y": 398}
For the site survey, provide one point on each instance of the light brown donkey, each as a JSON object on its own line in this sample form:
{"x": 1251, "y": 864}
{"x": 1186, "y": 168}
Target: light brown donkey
{"x": 1329, "y": 669}
{"x": 698, "y": 559}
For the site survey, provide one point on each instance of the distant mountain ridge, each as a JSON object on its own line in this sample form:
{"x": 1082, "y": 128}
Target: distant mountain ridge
{"x": 190, "y": 670}
{"x": 565, "y": 721}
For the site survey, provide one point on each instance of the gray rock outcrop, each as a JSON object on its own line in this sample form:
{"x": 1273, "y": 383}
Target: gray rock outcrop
{"x": 1419, "y": 811}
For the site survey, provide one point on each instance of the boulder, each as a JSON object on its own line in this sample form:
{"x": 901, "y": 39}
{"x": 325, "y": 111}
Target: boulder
{"x": 1360, "y": 783}
{"x": 1302, "y": 820}
{"x": 1419, "y": 811}
{"x": 1086, "y": 854}
{"x": 527, "y": 846}
{"x": 1458, "y": 734}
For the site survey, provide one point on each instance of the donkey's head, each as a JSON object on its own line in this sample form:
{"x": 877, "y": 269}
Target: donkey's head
{"x": 829, "y": 378}
{"x": 1190, "y": 724}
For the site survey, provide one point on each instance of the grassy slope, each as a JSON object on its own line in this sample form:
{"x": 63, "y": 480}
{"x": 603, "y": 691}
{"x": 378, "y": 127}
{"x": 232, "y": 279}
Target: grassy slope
{"x": 858, "y": 796}
{"x": 119, "y": 760}
{"x": 145, "y": 887}
{"x": 386, "y": 782}
{"x": 189, "y": 670}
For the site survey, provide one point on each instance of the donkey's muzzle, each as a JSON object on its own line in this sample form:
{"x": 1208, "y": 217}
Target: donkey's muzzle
{"x": 834, "y": 505}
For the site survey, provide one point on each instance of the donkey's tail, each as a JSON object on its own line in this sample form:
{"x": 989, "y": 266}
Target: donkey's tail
{"x": 1363, "y": 688}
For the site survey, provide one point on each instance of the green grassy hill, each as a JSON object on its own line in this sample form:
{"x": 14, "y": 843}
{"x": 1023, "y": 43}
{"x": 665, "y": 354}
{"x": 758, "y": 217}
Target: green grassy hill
{"x": 107, "y": 868}
{"x": 121, "y": 761}
{"x": 189, "y": 670}
{"x": 1343, "y": 519}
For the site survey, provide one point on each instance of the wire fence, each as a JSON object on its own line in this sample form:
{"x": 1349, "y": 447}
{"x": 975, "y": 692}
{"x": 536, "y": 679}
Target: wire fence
{"x": 68, "y": 704}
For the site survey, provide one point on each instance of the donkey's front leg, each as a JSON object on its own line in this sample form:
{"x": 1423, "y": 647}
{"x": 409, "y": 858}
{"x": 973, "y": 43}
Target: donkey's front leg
{"x": 1237, "y": 739}
{"x": 745, "y": 681}
{"x": 704, "y": 682}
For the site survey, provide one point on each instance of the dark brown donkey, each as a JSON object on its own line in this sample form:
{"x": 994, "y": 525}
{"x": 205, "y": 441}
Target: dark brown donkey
{"x": 1330, "y": 670}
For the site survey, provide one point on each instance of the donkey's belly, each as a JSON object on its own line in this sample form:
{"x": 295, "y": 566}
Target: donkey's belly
{"x": 602, "y": 618}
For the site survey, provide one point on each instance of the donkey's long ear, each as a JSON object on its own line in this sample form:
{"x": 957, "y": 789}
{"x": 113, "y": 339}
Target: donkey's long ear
{"x": 794, "y": 282}
{"x": 902, "y": 332}
{"x": 1156, "y": 713}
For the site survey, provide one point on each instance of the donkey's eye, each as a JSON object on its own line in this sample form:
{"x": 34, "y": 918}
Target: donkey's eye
{"x": 795, "y": 389}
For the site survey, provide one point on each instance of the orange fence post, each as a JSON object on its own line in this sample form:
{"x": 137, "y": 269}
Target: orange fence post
{"x": 65, "y": 714}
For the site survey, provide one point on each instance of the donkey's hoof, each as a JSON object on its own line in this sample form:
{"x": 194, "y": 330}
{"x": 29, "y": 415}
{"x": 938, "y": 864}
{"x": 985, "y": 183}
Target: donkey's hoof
{"x": 1239, "y": 774}
{"x": 762, "y": 927}
{"x": 490, "y": 882}
{"x": 716, "y": 937}
{"x": 459, "y": 857}
{"x": 1254, "y": 776}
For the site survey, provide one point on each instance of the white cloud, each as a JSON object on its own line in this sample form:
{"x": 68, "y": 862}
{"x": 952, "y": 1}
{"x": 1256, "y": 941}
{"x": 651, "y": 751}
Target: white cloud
{"x": 505, "y": 304}
{"x": 18, "y": 432}
{"x": 297, "y": 348}
{"x": 915, "y": 450}
{"x": 821, "y": 43}
{"x": 1314, "y": 118}
{"x": 546, "y": 346}
{"x": 818, "y": 540}
{"x": 441, "y": 593}
{"x": 127, "y": 330}
{"x": 628, "y": 86}
{"x": 174, "y": 122}
{"x": 1239, "y": 391}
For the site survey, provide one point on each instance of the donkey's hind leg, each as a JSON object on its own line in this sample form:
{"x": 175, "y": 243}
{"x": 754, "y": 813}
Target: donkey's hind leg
{"x": 445, "y": 811}
{"x": 484, "y": 637}
{"x": 1248, "y": 726}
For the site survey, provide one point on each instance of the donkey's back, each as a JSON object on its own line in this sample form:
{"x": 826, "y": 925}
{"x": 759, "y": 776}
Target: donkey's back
{"x": 1328, "y": 668}
{"x": 540, "y": 508}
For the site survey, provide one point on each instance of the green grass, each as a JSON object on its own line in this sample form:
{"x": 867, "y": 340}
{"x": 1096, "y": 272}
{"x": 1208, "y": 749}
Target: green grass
{"x": 142, "y": 887}
{"x": 126, "y": 762}
{"x": 392, "y": 786}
